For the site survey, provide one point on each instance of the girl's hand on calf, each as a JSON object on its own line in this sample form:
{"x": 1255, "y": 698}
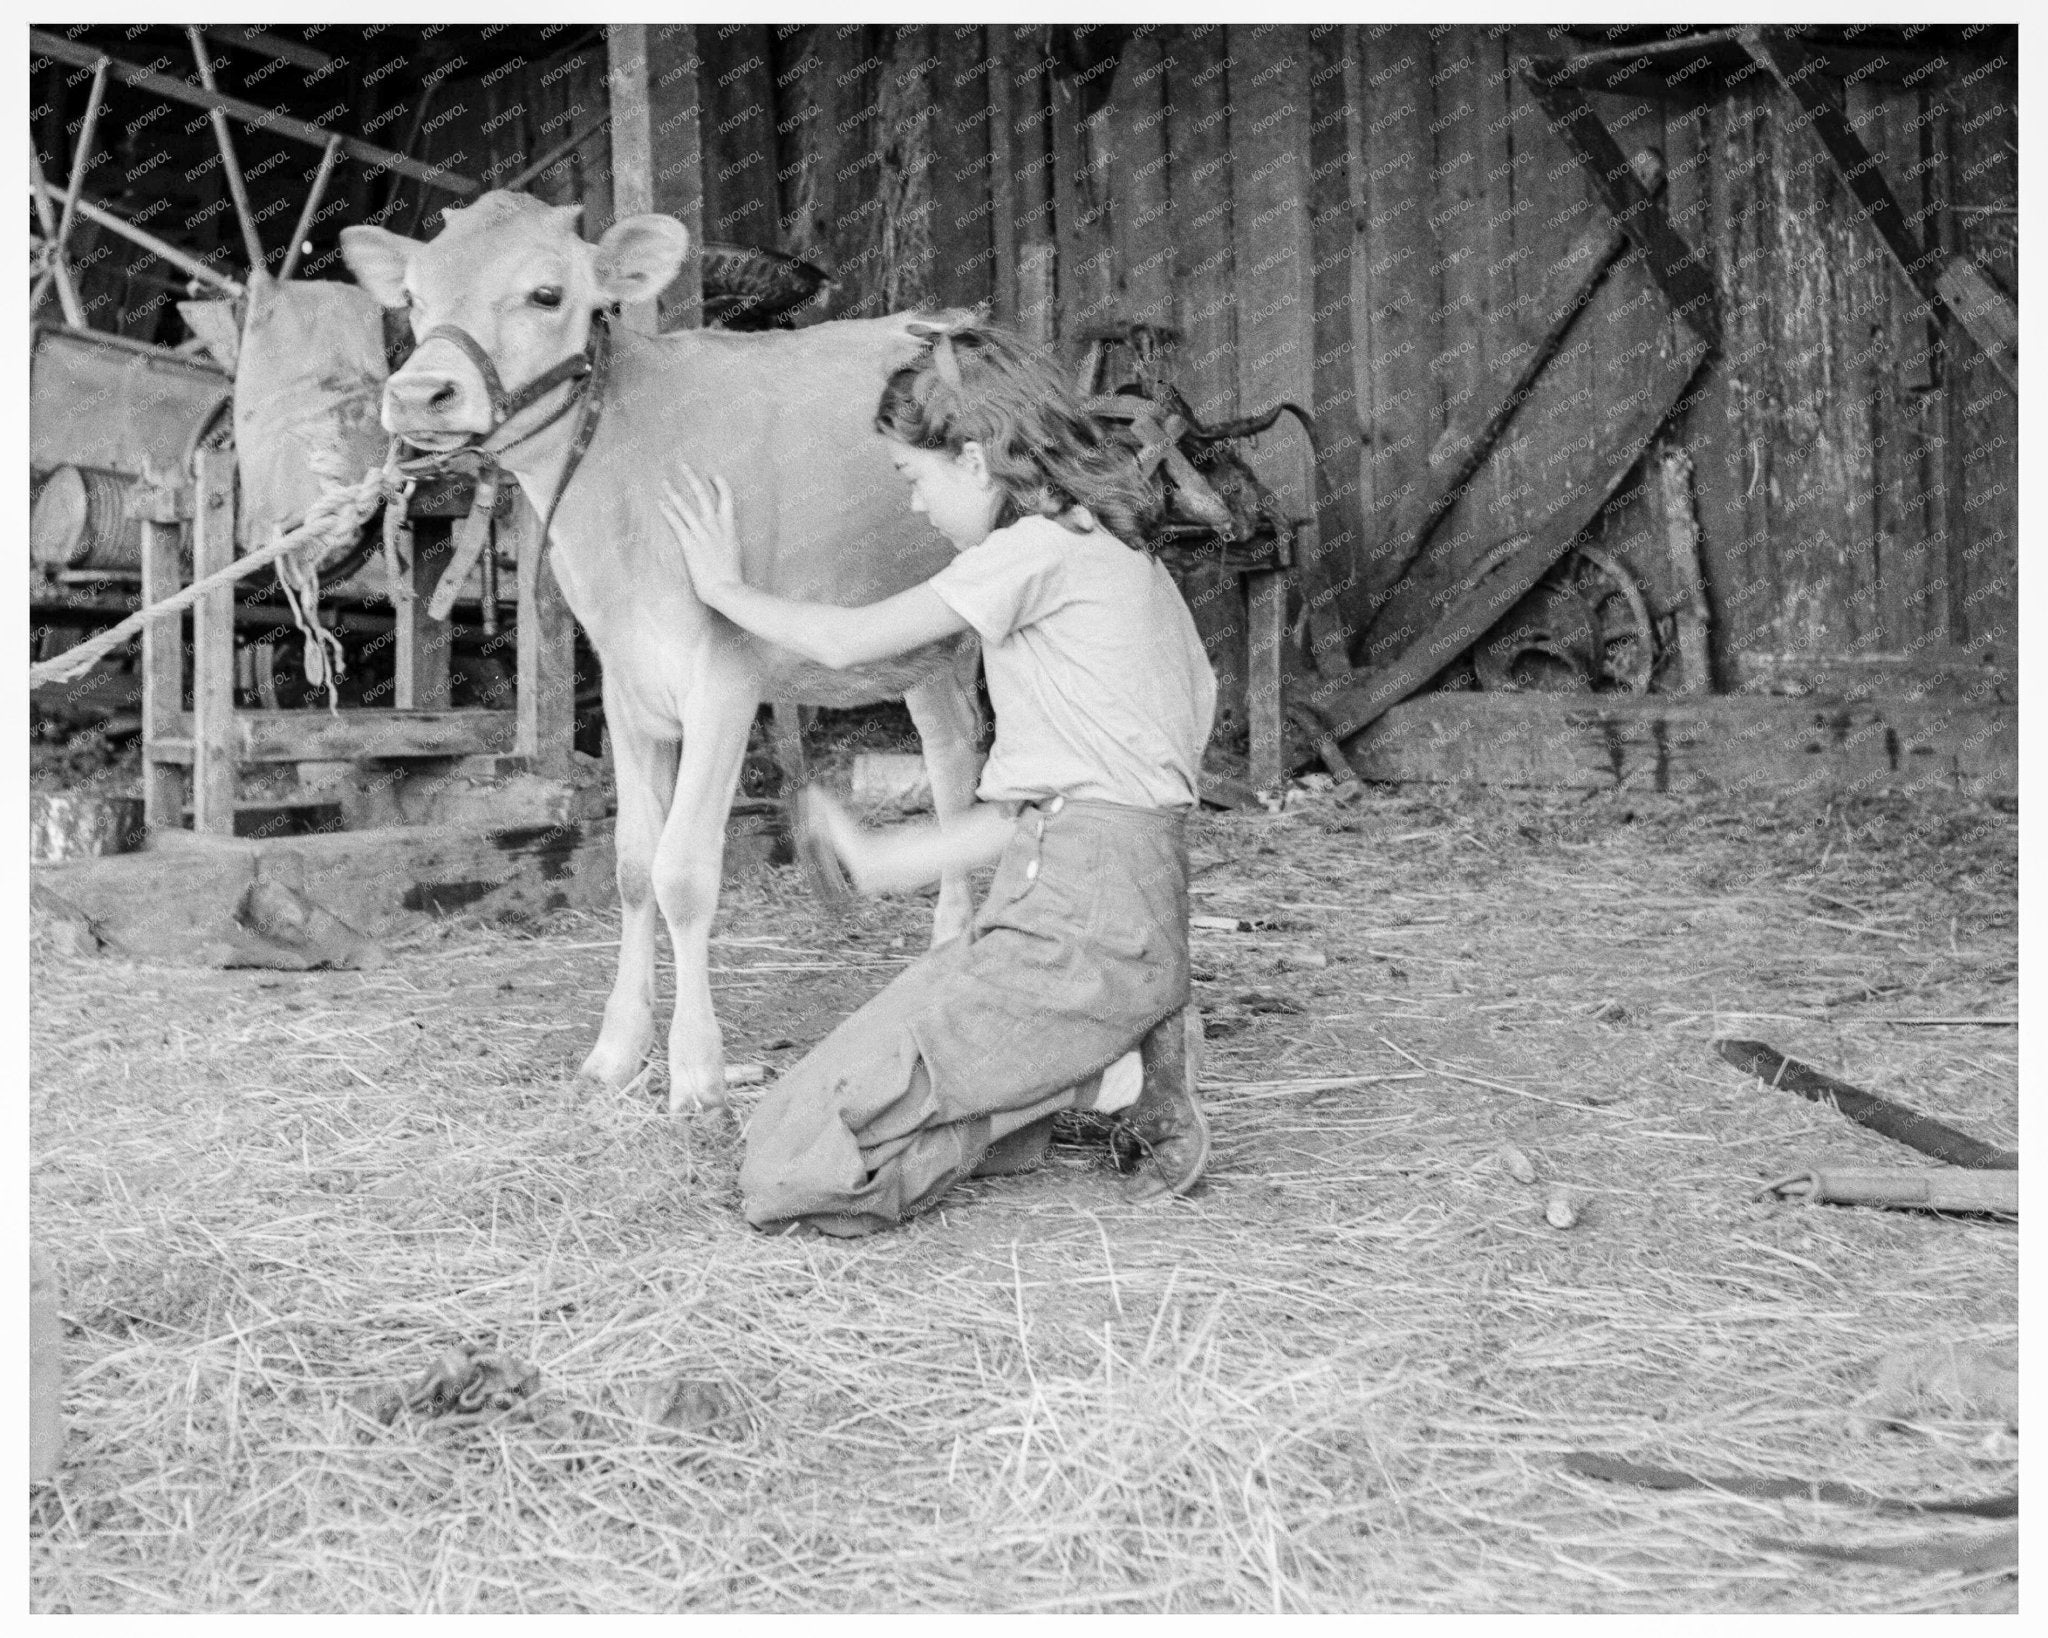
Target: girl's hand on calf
{"x": 706, "y": 532}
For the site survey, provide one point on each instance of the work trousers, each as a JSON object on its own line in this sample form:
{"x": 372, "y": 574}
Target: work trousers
{"x": 1078, "y": 950}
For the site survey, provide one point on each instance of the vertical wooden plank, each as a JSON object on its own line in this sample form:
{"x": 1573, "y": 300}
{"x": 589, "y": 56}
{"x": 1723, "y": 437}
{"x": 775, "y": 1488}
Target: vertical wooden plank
{"x": 1198, "y": 125}
{"x": 900, "y": 233}
{"x": 163, "y": 676}
{"x": 1336, "y": 203}
{"x": 1809, "y": 481}
{"x": 834, "y": 184}
{"x": 1002, "y": 165}
{"x": 420, "y": 643}
{"x": 1080, "y": 214}
{"x": 736, "y": 91}
{"x": 1914, "y": 578}
{"x": 1983, "y": 474}
{"x": 213, "y": 647}
{"x": 962, "y": 184}
{"x": 1269, "y": 87}
{"x": 1029, "y": 73}
{"x": 1404, "y": 313}
{"x": 1141, "y": 200}
{"x": 1468, "y": 246}
{"x": 544, "y": 728}
{"x": 1868, "y": 339}
{"x": 1701, "y": 432}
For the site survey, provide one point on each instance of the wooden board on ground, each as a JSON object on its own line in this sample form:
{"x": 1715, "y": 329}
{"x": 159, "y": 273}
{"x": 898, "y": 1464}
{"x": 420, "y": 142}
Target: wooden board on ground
{"x": 1690, "y": 743}
{"x": 146, "y": 903}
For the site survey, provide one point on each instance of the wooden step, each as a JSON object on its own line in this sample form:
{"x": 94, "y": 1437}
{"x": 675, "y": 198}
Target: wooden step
{"x": 263, "y": 819}
{"x": 350, "y": 736}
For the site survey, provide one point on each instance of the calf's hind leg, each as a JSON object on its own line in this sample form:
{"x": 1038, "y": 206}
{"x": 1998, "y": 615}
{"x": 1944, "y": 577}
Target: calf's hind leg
{"x": 646, "y": 771}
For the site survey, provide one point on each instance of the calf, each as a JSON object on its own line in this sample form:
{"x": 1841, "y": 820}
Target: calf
{"x": 509, "y": 292}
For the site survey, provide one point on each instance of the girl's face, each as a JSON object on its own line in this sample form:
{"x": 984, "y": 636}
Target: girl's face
{"x": 954, "y": 491}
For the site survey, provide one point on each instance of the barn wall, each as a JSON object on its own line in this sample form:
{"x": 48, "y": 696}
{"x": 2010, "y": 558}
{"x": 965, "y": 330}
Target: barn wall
{"x": 1369, "y": 220}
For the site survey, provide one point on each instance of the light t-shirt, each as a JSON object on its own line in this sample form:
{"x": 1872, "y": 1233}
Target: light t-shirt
{"x": 1100, "y": 685}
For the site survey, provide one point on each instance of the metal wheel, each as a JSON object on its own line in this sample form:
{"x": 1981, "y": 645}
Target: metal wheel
{"x": 1626, "y": 636}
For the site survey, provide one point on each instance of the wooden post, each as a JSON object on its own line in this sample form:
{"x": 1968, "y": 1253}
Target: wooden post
{"x": 1266, "y": 613}
{"x": 420, "y": 662}
{"x": 213, "y": 648}
{"x": 657, "y": 153}
{"x": 163, "y": 665}
{"x": 546, "y": 727}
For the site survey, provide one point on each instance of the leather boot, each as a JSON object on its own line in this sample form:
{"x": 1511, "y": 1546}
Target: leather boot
{"x": 1167, "y": 1122}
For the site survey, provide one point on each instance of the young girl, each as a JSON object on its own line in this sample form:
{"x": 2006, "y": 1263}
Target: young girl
{"x": 1103, "y": 699}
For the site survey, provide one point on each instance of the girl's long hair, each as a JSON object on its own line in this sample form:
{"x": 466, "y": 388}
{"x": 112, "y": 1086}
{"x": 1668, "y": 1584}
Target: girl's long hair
{"x": 1045, "y": 451}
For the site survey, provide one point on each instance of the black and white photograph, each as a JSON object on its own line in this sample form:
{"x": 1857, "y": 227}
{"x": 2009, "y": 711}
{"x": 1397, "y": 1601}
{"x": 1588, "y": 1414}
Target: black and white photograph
{"x": 1023, "y": 817}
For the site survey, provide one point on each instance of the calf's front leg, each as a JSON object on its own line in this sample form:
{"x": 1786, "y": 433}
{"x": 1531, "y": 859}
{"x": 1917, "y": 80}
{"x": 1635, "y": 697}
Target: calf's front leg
{"x": 645, "y": 768}
{"x": 687, "y": 864}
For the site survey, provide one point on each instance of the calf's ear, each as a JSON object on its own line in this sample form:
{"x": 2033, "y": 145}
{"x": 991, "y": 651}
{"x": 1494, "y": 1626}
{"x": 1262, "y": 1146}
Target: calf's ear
{"x": 638, "y": 256}
{"x": 378, "y": 260}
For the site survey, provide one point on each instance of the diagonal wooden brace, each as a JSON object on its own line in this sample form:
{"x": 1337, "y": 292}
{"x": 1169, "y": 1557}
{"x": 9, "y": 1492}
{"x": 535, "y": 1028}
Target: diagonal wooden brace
{"x": 1674, "y": 264}
{"x": 1951, "y": 285}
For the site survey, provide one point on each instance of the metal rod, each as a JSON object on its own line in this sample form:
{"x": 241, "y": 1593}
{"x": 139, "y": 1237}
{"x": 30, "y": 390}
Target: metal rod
{"x": 305, "y": 223}
{"x": 55, "y": 46}
{"x": 81, "y": 157}
{"x": 237, "y": 189}
{"x": 149, "y": 241}
{"x": 67, "y": 296}
{"x": 519, "y": 179}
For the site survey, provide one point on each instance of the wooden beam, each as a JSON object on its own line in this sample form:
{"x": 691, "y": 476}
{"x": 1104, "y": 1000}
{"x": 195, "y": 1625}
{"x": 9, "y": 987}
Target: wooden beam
{"x": 420, "y": 653}
{"x": 1693, "y": 743}
{"x": 355, "y": 736}
{"x": 304, "y": 225}
{"x": 213, "y": 647}
{"x": 1670, "y": 260}
{"x": 654, "y": 108}
{"x": 545, "y": 733}
{"x": 270, "y": 45}
{"x": 81, "y": 161}
{"x": 62, "y": 50}
{"x": 238, "y": 190}
{"x": 163, "y": 675}
{"x": 560, "y": 151}
{"x": 177, "y": 258}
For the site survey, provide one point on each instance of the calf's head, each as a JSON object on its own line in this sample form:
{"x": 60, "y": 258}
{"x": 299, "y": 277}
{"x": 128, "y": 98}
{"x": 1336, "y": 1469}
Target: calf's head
{"x": 512, "y": 274}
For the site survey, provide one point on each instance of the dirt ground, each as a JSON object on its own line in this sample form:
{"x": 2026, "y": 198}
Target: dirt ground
{"x": 1345, "y": 1375}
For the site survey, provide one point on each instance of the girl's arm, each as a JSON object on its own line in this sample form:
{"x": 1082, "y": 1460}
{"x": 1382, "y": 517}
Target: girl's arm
{"x": 824, "y": 632}
{"x": 903, "y": 858}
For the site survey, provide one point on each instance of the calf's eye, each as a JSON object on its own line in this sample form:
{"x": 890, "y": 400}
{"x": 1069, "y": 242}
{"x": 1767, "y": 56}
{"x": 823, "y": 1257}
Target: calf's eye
{"x": 548, "y": 296}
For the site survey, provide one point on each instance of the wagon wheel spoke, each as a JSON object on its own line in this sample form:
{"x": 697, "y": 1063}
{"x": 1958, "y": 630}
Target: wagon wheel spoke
{"x": 1627, "y": 635}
